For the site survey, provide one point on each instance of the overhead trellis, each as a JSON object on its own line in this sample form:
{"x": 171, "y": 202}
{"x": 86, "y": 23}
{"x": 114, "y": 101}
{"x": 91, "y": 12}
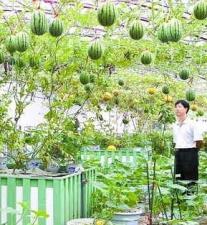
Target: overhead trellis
{"x": 144, "y": 7}
{"x": 170, "y": 57}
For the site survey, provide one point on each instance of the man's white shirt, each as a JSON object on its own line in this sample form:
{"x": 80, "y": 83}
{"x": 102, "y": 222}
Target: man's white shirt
{"x": 186, "y": 134}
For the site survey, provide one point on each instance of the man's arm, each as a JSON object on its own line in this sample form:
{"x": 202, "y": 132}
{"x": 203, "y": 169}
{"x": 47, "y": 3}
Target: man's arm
{"x": 198, "y": 137}
{"x": 174, "y": 139}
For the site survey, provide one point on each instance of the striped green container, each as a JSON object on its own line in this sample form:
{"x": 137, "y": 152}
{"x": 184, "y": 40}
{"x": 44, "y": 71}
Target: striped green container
{"x": 87, "y": 189}
{"x": 106, "y": 158}
{"x": 63, "y": 198}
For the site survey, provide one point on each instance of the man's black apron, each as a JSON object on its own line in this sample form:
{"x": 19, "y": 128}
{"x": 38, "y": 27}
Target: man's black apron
{"x": 186, "y": 164}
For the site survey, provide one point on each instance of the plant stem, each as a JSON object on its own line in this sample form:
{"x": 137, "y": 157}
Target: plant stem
{"x": 179, "y": 208}
{"x": 148, "y": 185}
{"x": 34, "y": 221}
{"x": 172, "y": 209}
{"x": 153, "y": 187}
{"x": 162, "y": 202}
{"x": 172, "y": 201}
{"x": 6, "y": 21}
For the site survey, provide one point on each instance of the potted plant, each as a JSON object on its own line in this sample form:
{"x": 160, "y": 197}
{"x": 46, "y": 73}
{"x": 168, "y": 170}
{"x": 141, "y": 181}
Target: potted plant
{"x": 118, "y": 195}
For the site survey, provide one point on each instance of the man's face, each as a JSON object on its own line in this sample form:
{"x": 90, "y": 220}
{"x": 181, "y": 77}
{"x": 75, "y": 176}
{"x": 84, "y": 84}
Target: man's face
{"x": 180, "y": 110}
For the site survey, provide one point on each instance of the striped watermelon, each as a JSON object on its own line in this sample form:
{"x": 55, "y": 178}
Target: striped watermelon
{"x": 146, "y": 57}
{"x": 39, "y": 23}
{"x": 184, "y": 74}
{"x": 11, "y": 43}
{"x": 200, "y": 10}
{"x": 22, "y": 42}
{"x": 88, "y": 87}
{"x": 165, "y": 90}
{"x": 125, "y": 120}
{"x": 56, "y": 28}
{"x": 190, "y": 95}
{"x": 19, "y": 63}
{"x": 174, "y": 33}
{"x": 107, "y": 14}
{"x": 84, "y": 78}
{"x": 34, "y": 61}
{"x": 95, "y": 50}
{"x": 92, "y": 78}
{"x": 120, "y": 82}
{"x": 162, "y": 33}
{"x": 136, "y": 31}
{"x": 10, "y": 60}
{"x": 200, "y": 113}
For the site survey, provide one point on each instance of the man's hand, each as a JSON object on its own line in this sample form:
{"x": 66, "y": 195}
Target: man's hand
{"x": 199, "y": 144}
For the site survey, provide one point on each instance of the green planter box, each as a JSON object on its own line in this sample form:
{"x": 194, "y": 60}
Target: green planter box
{"x": 87, "y": 189}
{"x": 106, "y": 158}
{"x": 63, "y": 198}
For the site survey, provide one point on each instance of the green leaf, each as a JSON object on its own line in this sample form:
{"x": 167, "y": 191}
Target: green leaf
{"x": 177, "y": 187}
{"x": 123, "y": 207}
{"x": 40, "y": 213}
{"x": 99, "y": 185}
{"x": 24, "y": 205}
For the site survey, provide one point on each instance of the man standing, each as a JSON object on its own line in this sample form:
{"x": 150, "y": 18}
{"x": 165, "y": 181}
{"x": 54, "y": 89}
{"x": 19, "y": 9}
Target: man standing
{"x": 187, "y": 138}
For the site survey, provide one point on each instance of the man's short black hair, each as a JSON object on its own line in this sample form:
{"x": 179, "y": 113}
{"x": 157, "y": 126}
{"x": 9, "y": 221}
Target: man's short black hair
{"x": 184, "y": 103}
